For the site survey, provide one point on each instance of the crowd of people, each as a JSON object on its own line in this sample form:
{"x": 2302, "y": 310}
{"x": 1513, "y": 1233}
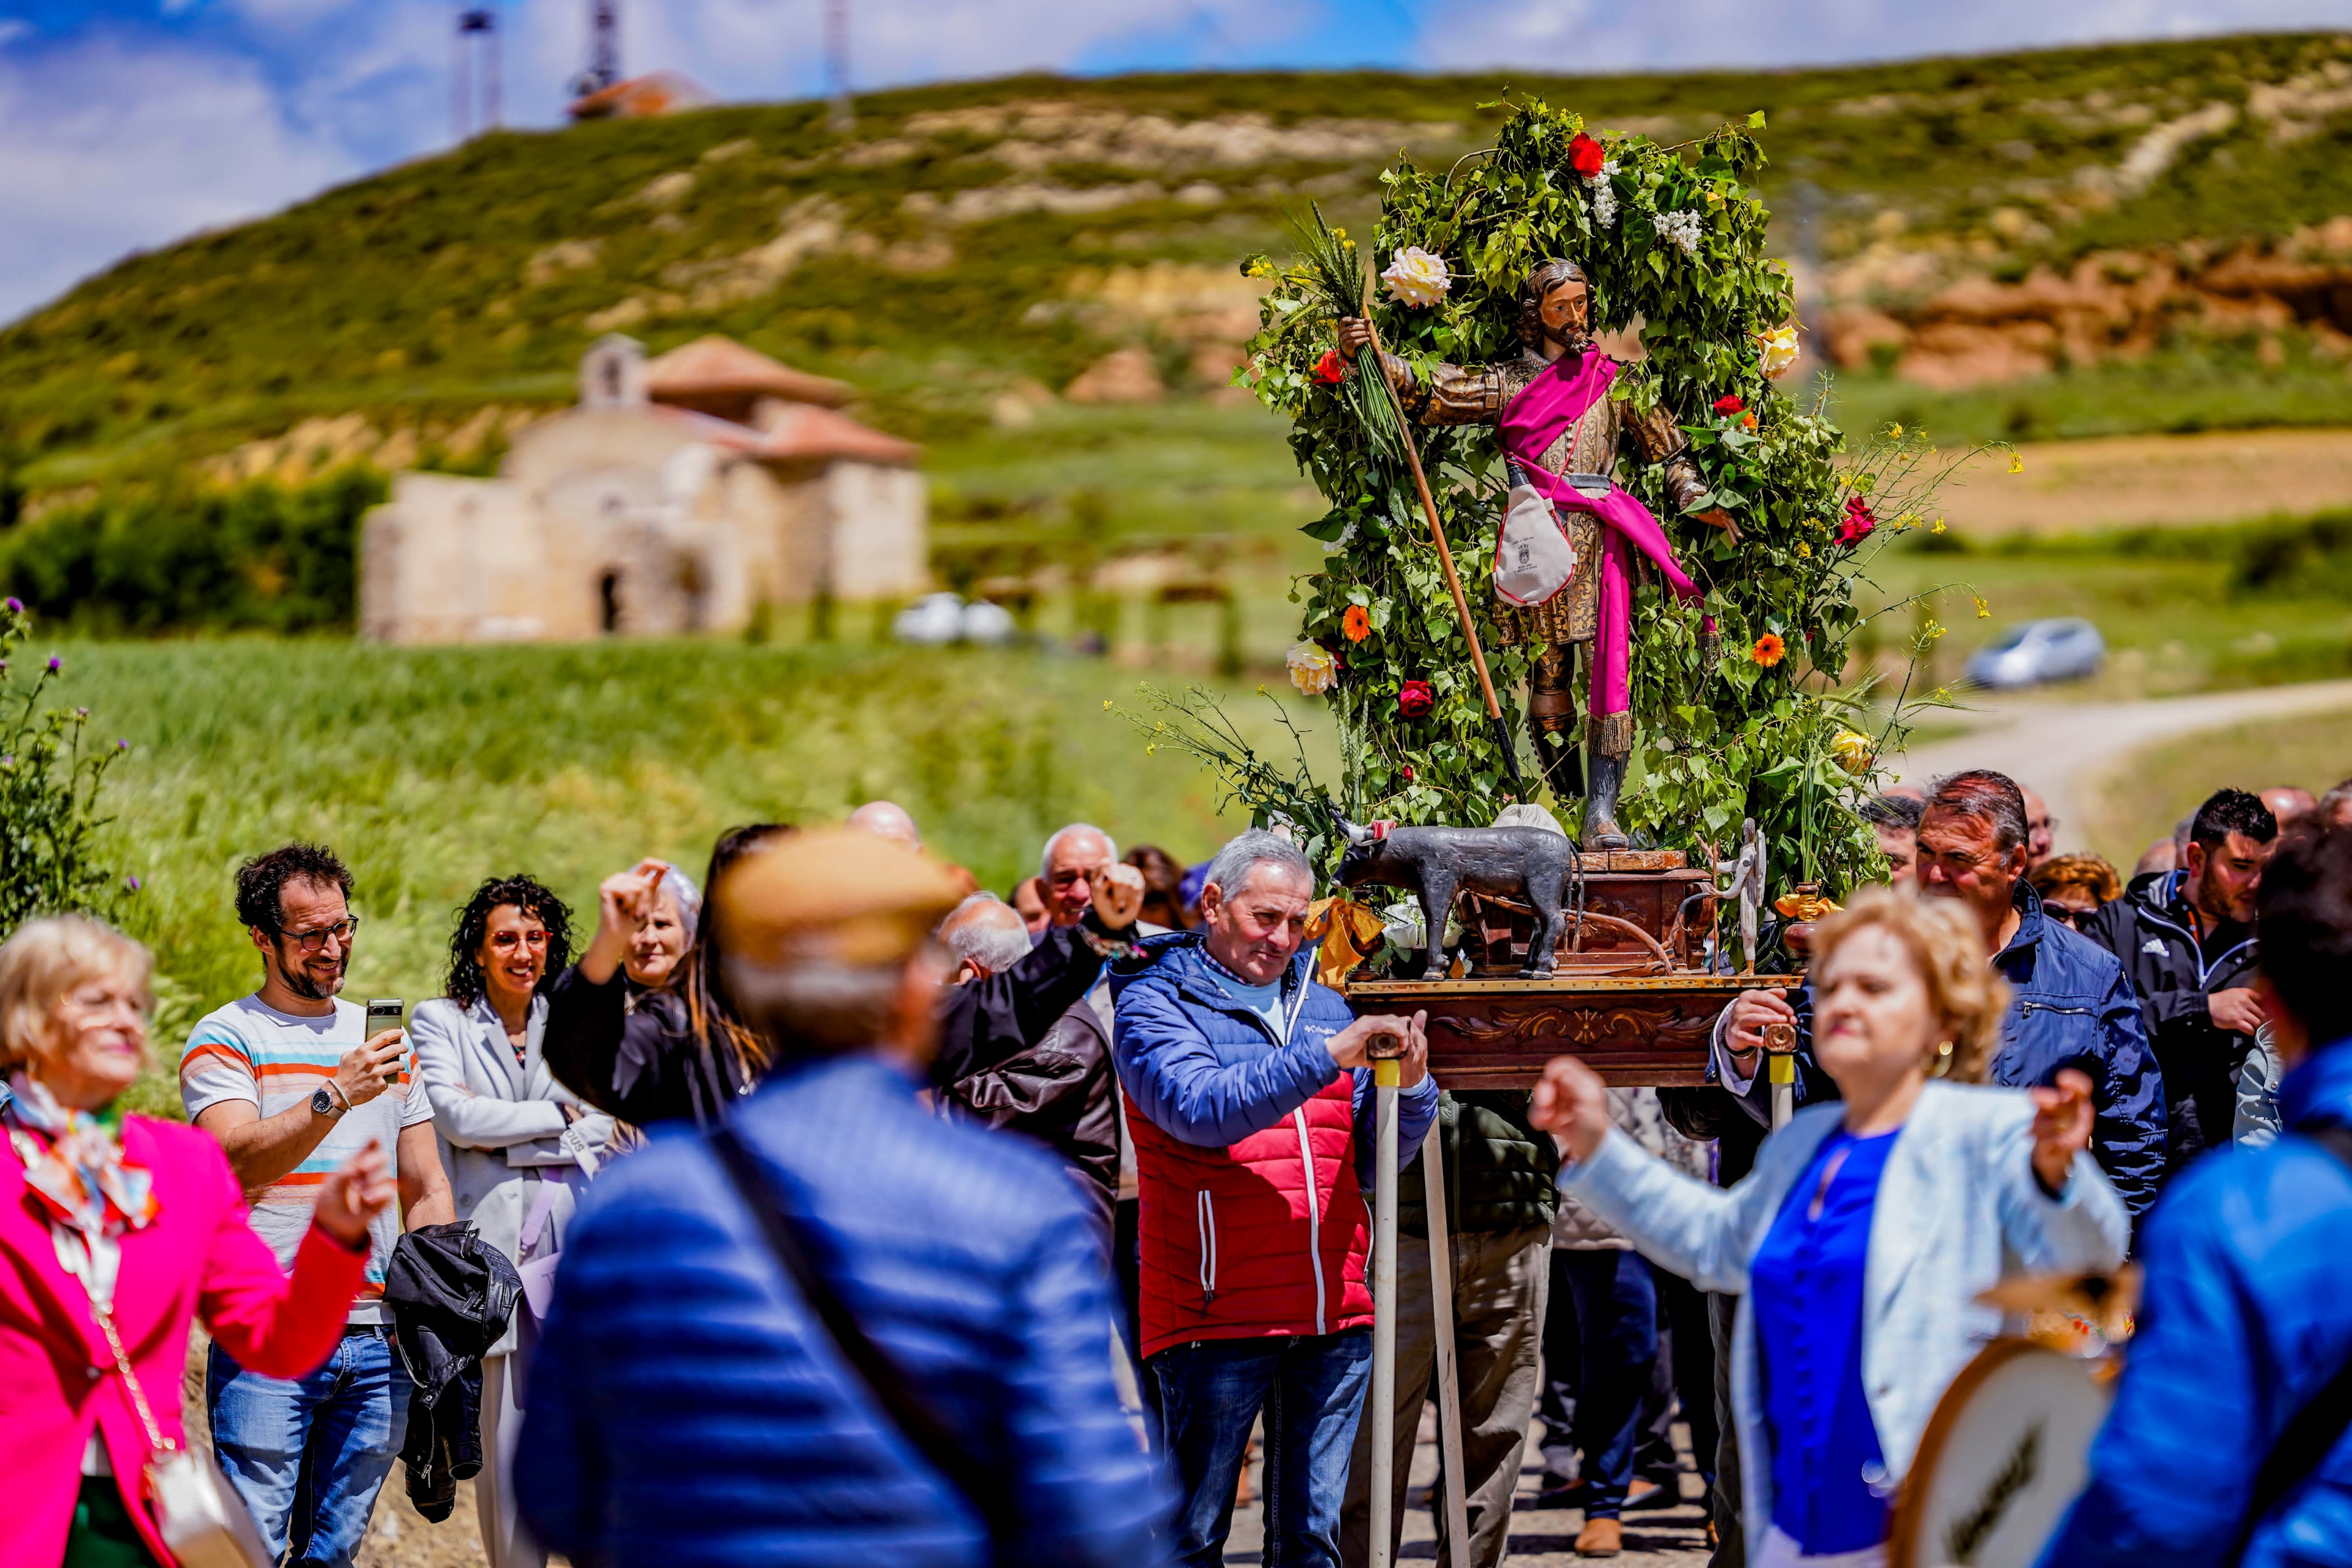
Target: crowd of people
{"x": 831, "y": 1208}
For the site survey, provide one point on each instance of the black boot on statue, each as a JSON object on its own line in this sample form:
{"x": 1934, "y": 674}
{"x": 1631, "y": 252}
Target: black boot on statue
{"x": 1601, "y": 829}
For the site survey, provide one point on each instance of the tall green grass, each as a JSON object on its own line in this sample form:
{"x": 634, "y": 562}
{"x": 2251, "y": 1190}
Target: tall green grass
{"x": 430, "y": 770}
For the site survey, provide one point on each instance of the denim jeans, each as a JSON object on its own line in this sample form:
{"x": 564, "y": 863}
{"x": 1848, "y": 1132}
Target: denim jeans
{"x": 1312, "y": 1389}
{"x": 1617, "y": 1334}
{"x": 308, "y": 1456}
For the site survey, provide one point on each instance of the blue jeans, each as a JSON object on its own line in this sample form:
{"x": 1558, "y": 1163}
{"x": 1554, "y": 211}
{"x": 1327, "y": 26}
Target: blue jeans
{"x": 308, "y": 1457}
{"x": 1312, "y": 1388}
{"x": 1617, "y": 1328}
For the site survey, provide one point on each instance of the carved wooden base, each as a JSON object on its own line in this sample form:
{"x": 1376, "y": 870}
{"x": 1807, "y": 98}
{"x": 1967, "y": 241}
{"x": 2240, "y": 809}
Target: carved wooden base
{"x": 1497, "y": 1034}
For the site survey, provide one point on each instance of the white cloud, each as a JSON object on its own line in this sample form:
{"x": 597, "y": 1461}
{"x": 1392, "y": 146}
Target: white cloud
{"x": 1591, "y": 35}
{"x": 179, "y": 139}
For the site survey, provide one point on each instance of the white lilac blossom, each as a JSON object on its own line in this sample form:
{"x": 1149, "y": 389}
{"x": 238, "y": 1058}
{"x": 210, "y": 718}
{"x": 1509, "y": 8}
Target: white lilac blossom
{"x": 1602, "y": 195}
{"x": 1684, "y": 228}
{"x": 1346, "y": 537}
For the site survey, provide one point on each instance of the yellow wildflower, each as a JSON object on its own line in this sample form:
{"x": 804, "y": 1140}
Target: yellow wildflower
{"x": 1339, "y": 234}
{"x": 1937, "y": 527}
{"x": 1984, "y": 611}
{"x": 1151, "y": 751}
{"x": 1931, "y": 631}
{"x": 1107, "y": 701}
{"x": 1895, "y": 432}
{"x": 2016, "y": 464}
{"x": 1942, "y": 695}
{"x": 1804, "y": 551}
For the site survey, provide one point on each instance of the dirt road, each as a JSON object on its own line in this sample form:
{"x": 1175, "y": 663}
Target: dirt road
{"x": 2065, "y": 749}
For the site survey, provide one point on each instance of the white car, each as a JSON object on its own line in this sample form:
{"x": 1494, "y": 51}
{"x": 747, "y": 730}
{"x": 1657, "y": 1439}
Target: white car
{"x": 2066, "y": 649}
{"x": 936, "y": 620}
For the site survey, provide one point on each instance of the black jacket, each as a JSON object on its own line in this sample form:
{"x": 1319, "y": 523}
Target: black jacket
{"x": 1499, "y": 1169}
{"x": 450, "y": 1294}
{"x": 2150, "y": 930}
{"x": 1058, "y": 1091}
{"x": 628, "y": 1051}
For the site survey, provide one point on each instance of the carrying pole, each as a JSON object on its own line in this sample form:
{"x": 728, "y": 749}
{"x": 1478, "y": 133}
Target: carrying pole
{"x": 1446, "y": 559}
{"x": 1450, "y": 1480}
{"x": 1781, "y": 1063}
{"x": 1387, "y": 1073}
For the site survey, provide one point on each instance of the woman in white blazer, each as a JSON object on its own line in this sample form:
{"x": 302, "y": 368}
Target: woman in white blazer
{"x": 516, "y": 1144}
{"x": 1861, "y": 1240}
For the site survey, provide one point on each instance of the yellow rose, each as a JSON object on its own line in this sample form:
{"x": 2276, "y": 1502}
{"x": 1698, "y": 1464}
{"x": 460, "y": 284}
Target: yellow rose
{"x": 1779, "y": 347}
{"x": 1416, "y": 277}
{"x": 1853, "y": 752}
{"x": 1312, "y": 669}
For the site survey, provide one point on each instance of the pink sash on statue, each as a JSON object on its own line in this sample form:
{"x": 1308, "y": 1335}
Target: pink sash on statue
{"x": 1537, "y": 417}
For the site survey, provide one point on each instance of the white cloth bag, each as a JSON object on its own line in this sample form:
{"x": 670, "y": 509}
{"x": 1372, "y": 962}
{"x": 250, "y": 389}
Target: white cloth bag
{"x": 1533, "y": 557}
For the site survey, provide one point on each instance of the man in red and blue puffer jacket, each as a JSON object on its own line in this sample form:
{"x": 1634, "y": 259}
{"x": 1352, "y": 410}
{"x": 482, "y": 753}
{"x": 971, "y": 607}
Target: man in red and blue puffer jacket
{"x": 1254, "y": 1149}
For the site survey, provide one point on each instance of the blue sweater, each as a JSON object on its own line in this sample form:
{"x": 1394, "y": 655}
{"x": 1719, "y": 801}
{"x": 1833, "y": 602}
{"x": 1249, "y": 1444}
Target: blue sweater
{"x": 686, "y": 1408}
{"x": 2247, "y": 1315}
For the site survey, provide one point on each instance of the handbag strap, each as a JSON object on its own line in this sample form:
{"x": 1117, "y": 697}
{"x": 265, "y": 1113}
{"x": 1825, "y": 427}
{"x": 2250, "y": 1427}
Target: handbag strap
{"x": 2320, "y": 1424}
{"x": 907, "y": 1409}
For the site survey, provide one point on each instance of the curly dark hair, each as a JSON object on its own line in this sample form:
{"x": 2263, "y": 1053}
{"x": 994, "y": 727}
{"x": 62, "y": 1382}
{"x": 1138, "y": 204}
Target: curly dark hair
{"x": 261, "y": 880}
{"x": 464, "y": 983}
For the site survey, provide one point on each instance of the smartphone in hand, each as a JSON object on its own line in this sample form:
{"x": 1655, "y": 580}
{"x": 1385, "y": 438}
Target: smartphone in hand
{"x": 384, "y": 1013}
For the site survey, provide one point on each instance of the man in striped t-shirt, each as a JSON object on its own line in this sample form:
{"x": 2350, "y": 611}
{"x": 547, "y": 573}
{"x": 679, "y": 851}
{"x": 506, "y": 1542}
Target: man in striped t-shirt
{"x": 285, "y": 1080}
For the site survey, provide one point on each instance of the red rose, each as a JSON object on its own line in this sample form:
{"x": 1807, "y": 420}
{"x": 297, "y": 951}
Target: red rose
{"x": 1729, "y": 404}
{"x": 1415, "y": 699}
{"x": 1330, "y": 370}
{"x": 1859, "y": 521}
{"x": 1408, "y": 773}
{"x": 1585, "y": 156}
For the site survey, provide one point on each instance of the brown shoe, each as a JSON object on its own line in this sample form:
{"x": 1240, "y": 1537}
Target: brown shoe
{"x": 1600, "y": 1538}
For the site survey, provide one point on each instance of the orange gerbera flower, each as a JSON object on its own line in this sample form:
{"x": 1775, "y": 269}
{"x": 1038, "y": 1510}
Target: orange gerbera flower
{"x": 1357, "y": 623}
{"x": 1769, "y": 650}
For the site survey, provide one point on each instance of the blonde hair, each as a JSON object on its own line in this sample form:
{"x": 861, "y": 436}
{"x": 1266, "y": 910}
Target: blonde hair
{"x": 1967, "y": 994}
{"x": 42, "y": 962}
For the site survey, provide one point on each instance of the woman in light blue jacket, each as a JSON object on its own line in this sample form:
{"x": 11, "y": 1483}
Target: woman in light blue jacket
{"x": 1860, "y": 1242}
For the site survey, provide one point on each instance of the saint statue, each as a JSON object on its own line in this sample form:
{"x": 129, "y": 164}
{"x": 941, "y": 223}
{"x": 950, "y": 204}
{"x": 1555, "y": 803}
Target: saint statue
{"x": 1552, "y": 406}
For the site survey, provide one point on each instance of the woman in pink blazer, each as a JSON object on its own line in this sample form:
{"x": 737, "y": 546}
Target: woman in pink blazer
{"x": 97, "y": 1206}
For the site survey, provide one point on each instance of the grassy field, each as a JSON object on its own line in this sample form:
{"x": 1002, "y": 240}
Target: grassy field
{"x": 2141, "y": 801}
{"x": 429, "y": 771}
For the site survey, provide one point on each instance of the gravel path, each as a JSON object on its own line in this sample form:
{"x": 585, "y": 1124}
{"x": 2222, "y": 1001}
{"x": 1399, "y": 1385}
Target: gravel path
{"x": 2063, "y": 749}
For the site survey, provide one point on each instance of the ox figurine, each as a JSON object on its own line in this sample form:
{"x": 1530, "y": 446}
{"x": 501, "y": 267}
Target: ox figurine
{"x": 1530, "y": 863}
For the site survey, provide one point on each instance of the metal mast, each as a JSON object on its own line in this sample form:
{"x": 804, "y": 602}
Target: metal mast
{"x": 474, "y": 102}
{"x": 604, "y": 48}
{"x": 838, "y": 114}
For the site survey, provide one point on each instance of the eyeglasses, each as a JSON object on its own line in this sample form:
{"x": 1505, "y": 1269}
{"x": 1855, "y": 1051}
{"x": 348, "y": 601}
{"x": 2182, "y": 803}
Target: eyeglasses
{"x": 342, "y": 930}
{"x": 2061, "y": 913}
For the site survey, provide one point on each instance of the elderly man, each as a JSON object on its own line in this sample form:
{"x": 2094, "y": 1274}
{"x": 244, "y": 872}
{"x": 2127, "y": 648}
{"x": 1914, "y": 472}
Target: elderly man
{"x": 1074, "y": 855}
{"x": 887, "y": 819}
{"x": 2071, "y": 1005}
{"x": 1249, "y": 1090}
{"x": 1895, "y": 820}
{"x": 2041, "y": 829}
{"x": 2186, "y": 939}
{"x": 835, "y": 1330}
{"x": 2289, "y": 804}
{"x": 1058, "y": 1090}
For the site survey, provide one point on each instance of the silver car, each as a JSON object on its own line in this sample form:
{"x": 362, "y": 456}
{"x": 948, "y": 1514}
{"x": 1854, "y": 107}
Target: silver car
{"x": 2065, "y": 649}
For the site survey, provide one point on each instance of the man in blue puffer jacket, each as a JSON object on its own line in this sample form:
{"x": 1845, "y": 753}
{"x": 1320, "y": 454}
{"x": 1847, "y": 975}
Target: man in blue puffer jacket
{"x": 686, "y": 1404}
{"x": 2071, "y": 1005}
{"x": 2227, "y": 1440}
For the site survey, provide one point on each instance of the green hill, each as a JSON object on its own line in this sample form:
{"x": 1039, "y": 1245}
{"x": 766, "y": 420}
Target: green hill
{"x": 971, "y": 250}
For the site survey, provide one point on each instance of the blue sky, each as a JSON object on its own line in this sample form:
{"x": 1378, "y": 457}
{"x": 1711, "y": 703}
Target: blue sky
{"x": 127, "y": 123}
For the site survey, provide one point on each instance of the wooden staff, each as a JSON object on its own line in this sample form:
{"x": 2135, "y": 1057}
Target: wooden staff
{"x": 1446, "y": 558}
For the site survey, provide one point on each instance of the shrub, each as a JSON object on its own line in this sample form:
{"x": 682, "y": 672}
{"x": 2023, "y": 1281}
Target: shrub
{"x": 50, "y": 857}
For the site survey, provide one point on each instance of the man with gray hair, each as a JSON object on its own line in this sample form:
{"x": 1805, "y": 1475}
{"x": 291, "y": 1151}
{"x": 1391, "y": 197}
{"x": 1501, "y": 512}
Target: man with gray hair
{"x": 1058, "y": 1091}
{"x": 1250, "y": 1104}
{"x": 1075, "y": 857}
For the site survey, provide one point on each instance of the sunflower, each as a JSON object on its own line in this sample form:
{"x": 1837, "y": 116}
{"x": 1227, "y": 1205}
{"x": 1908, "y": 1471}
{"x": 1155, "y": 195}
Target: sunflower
{"x": 1357, "y": 623}
{"x": 1769, "y": 650}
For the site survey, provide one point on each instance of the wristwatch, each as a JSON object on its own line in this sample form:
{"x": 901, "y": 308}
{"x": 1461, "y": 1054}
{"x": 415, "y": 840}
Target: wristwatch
{"x": 323, "y": 1103}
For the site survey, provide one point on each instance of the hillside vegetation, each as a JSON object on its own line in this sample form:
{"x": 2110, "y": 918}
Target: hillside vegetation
{"x": 2113, "y": 238}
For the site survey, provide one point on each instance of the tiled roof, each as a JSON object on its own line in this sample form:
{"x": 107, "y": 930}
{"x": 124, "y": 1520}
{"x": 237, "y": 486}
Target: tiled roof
{"x": 715, "y": 366}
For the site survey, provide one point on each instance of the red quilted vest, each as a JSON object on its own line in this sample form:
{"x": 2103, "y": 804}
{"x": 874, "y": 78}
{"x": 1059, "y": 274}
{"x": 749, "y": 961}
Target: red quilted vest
{"x": 1247, "y": 1242}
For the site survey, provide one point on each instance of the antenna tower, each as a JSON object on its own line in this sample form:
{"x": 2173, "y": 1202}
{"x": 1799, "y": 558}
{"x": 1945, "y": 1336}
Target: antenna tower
{"x": 474, "y": 99}
{"x": 838, "y": 115}
{"x": 604, "y": 48}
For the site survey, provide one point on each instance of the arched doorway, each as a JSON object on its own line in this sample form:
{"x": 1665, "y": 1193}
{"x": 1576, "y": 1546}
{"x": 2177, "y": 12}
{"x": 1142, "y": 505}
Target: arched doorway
{"x": 608, "y": 596}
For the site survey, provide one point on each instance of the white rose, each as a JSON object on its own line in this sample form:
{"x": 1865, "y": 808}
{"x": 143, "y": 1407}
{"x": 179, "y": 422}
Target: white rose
{"x": 1416, "y": 277}
{"x": 1312, "y": 669}
{"x": 1779, "y": 348}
